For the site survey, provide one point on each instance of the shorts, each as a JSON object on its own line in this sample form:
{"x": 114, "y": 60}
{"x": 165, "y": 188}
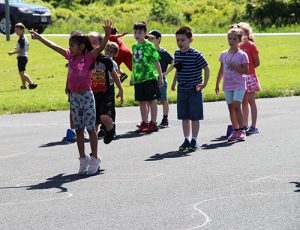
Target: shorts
{"x": 163, "y": 91}
{"x": 236, "y": 95}
{"x": 82, "y": 107}
{"x": 22, "y": 62}
{"x": 189, "y": 104}
{"x": 146, "y": 91}
{"x": 125, "y": 55}
{"x": 252, "y": 83}
{"x": 104, "y": 105}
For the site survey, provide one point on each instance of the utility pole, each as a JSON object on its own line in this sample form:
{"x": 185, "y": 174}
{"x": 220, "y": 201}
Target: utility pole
{"x": 7, "y": 20}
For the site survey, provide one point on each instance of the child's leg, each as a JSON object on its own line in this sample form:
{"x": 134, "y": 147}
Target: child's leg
{"x": 165, "y": 105}
{"x": 93, "y": 141}
{"x": 80, "y": 142}
{"x": 107, "y": 121}
{"x": 153, "y": 110}
{"x": 186, "y": 128}
{"x": 195, "y": 128}
{"x": 144, "y": 109}
{"x": 239, "y": 113}
{"x": 253, "y": 108}
{"x": 22, "y": 79}
{"x": 233, "y": 117}
{"x": 71, "y": 121}
{"x": 245, "y": 107}
{"x": 25, "y": 78}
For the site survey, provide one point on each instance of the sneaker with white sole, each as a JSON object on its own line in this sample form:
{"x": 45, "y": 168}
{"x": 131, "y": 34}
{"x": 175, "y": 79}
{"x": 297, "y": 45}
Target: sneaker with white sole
{"x": 241, "y": 135}
{"x": 233, "y": 136}
{"x": 94, "y": 165}
{"x": 84, "y": 165}
{"x": 252, "y": 130}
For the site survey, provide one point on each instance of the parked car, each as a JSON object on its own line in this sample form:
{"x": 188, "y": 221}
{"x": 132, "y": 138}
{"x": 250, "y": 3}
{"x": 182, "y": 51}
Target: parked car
{"x": 31, "y": 15}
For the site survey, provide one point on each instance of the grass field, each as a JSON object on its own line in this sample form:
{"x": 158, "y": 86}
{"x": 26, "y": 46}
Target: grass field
{"x": 279, "y": 72}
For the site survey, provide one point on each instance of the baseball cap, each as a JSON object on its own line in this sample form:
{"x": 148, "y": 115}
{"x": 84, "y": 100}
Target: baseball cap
{"x": 154, "y": 33}
{"x": 20, "y": 25}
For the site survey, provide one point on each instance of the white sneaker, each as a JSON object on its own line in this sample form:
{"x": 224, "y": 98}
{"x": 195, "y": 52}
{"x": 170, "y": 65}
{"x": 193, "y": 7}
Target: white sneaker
{"x": 84, "y": 165}
{"x": 94, "y": 165}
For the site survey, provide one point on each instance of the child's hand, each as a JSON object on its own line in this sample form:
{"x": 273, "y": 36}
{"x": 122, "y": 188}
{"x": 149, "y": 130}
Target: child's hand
{"x": 107, "y": 27}
{"x": 124, "y": 33}
{"x": 161, "y": 82}
{"x": 217, "y": 90}
{"x": 11, "y": 53}
{"x": 120, "y": 95}
{"x": 34, "y": 34}
{"x": 200, "y": 87}
{"x": 173, "y": 87}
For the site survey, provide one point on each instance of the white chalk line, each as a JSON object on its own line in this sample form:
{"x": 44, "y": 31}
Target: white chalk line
{"x": 13, "y": 155}
{"x": 272, "y": 177}
{"x": 207, "y": 219}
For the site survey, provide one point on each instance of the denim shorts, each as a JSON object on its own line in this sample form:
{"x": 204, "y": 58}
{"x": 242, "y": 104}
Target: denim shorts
{"x": 236, "y": 95}
{"x": 163, "y": 91}
{"x": 189, "y": 104}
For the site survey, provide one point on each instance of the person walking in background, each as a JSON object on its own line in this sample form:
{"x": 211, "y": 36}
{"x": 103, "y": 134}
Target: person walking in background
{"x": 253, "y": 86}
{"x": 147, "y": 77}
{"x": 234, "y": 65}
{"x": 81, "y": 57}
{"x": 166, "y": 60}
{"x": 189, "y": 64}
{"x": 22, "y": 56}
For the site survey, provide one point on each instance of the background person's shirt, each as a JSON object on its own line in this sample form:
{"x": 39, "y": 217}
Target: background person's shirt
{"x": 165, "y": 59}
{"x": 251, "y": 50}
{"x": 143, "y": 58}
{"x": 189, "y": 67}
{"x": 22, "y": 46}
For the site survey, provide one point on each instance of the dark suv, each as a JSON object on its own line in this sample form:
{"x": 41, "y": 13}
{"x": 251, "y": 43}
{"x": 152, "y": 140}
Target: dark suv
{"x": 31, "y": 15}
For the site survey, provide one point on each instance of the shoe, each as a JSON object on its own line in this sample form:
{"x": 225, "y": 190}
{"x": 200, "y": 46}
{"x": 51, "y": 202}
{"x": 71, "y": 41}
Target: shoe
{"x": 32, "y": 86}
{"x": 164, "y": 123}
{"x": 252, "y": 130}
{"x": 142, "y": 127}
{"x": 123, "y": 77}
{"x": 152, "y": 127}
{"x": 23, "y": 87}
{"x": 101, "y": 133}
{"x": 194, "y": 145}
{"x": 109, "y": 136}
{"x": 241, "y": 135}
{"x": 94, "y": 165}
{"x": 84, "y": 165}
{"x": 233, "y": 136}
{"x": 185, "y": 146}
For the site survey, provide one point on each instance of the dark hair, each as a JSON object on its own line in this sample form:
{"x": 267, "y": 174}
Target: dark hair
{"x": 76, "y": 33}
{"x": 186, "y": 31}
{"x": 114, "y": 31}
{"x": 83, "y": 39}
{"x": 140, "y": 26}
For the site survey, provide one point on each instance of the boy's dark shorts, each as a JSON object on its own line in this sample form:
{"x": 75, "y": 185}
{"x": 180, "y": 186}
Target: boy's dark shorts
{"x": 189, "y": 104}
{"x": 22, "y": 62}
{"x": 104, "y": 105}
{"x": 147, "y": 90}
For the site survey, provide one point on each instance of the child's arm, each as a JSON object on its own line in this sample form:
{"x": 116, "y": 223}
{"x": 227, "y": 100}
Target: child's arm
{"x": 256, "y": 61}
{"x": 171, "y": 67}
{"x": 107, "y": 28}
{"x": 173, "y": 87}
{"x": 50, "y": 44}
{"x": 243, "y": 69}
{"x": 120, "y": 35}
{"x": 206, "y": 77}
{"x": 158, "y": 68}
{"x": 116, "y": 79}
{"x": 13, "y": 52}
{"x": 220, "y": 76}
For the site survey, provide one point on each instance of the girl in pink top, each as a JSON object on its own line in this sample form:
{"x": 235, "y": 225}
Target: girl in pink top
{"x": 81, "y": 58}
{"x": 233, "y": 65}
{"x": 253, "y": 85}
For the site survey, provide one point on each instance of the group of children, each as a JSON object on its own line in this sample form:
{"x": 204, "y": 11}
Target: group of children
{"x": 92, "y": 75}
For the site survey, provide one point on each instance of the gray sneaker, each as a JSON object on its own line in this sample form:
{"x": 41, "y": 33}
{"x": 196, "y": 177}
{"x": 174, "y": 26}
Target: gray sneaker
{"x": 84, "y": 165}
{"x": 94, "y": 165}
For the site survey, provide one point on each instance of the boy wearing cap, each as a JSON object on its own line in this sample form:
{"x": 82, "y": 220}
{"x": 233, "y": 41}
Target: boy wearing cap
{"x": 166, "y": 59}
{"x": 22, "y": 57}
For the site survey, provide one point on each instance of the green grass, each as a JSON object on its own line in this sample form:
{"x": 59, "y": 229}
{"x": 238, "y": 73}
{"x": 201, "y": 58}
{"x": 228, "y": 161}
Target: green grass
{"x": 279, "y": 72}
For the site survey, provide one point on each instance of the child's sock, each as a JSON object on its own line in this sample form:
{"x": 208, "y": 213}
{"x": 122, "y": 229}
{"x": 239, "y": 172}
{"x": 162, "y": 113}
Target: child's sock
{"x": 187, "y": 138}
{"x": 194, "y": 138}
{"x": 165, "y": 117}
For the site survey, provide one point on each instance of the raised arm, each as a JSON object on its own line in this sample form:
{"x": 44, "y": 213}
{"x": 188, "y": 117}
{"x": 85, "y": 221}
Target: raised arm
{"x": 120, "y": 35}
{"x": 50, "y": 44}
{"x": 107, "y": 28}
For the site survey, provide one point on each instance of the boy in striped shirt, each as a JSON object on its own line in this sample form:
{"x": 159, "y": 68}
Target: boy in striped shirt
{"x": 189, "y": 64}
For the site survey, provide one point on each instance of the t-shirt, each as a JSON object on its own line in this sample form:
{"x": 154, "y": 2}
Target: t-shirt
{"x": 143, "y": 58}
{"x": 100, "y": 76}
{"x": 165, "y": 59}
{"x": 251, "y": 50}
{"x": 189, "y": 67}
{"x": 79, "y": 71}
{"x": 232, "y": 79}
{"x": 22, "y": 45}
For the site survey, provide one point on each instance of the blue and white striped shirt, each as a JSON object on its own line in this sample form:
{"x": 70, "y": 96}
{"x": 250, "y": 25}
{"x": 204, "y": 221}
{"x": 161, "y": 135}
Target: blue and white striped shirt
{"x": 191, "y": 63}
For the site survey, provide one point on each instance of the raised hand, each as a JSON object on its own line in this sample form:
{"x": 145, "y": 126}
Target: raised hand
{"x": 34, "y": 34}
{"x": 107, "y": 27}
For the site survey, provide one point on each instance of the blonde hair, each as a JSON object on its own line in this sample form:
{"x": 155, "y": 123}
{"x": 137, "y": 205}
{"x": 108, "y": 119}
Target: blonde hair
{"x": 115, "y": 47}
{"x": 236, "y": 31}
{"x": 247, "y": 30}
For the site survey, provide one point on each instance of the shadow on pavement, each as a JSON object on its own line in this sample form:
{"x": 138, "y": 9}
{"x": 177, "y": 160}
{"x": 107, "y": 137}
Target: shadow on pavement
{"x": 56, "y": 182}
{"x": 219, "y": 142}
{"x": 171, "y": 154}
{"x": 297, "y": 185}
{"x": 130, "y": 134}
